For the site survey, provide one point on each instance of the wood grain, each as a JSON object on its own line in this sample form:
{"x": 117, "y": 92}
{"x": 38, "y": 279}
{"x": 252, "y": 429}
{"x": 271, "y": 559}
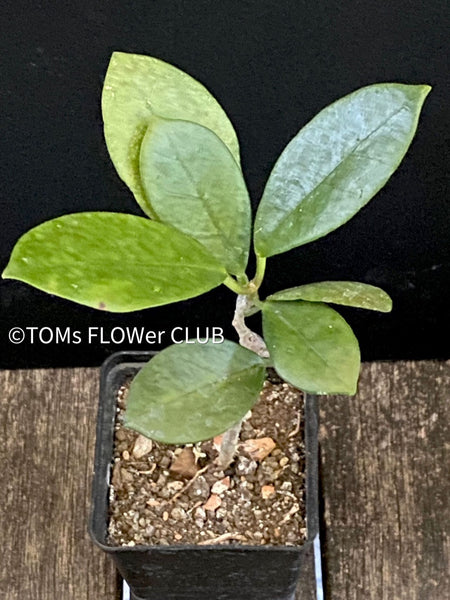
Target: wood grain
{"x": 385, "y": 457}
{"x": 386, "y": 485}
{"x": 48, "y": 421}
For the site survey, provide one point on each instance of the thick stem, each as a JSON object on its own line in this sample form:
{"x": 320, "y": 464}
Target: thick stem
{"x": 228, "y": 446}
{"x": 245, "y": 306}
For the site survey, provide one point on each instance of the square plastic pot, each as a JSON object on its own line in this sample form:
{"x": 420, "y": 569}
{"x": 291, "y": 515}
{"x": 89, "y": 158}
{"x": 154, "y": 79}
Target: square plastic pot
{"x": 192, "y": 572}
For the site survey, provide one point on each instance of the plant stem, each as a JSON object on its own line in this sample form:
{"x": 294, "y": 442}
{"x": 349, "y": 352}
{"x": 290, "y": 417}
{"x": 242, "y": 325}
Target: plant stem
{"x": 260, "y": 270}
{"x": 245, "y": 305}
{"x": 228, "y": 446}
{"x": 234, "y": 285}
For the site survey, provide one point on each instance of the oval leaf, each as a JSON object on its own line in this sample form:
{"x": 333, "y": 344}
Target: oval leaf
{"x": 192, "y": 392}
{"x": 136, "y": 88}
{"x": 114, "y": 262}
{"x": 334, "y": 166}
{"x": 346, "y": 293}
{"x": 312, "y": 347}
{"x": 193, "y": 183}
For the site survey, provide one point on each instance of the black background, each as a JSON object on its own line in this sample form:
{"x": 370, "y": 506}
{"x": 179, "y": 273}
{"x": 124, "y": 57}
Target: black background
{"x": 273, "y": 66}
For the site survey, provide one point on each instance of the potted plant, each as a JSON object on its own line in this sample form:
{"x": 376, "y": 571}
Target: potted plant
{"x": 175, "y": 148}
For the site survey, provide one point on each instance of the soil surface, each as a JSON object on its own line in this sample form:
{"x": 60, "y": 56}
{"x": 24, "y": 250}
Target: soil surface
{"x": 163, "y": 494}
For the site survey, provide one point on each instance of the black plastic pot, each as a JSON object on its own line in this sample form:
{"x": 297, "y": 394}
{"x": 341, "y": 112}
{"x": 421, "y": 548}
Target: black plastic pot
{"x": 197, "y": 572}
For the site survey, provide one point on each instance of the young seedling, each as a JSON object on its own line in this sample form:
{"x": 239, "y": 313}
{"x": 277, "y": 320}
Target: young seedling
{"x": 175, "y": 148}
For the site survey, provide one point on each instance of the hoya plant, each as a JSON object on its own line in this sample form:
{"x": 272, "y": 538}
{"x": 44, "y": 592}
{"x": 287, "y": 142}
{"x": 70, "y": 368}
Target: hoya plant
{"x": 175, "y": 148}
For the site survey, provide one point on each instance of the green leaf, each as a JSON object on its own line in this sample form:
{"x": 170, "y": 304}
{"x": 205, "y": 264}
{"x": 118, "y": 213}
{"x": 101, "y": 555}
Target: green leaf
{"x": 114, "y": 262}
{"x": 193, "y": 392}
{"x": 194, "y": 184}
{"x": 347, "y": 293}
{"x": 136, "y": 88}
{"x": 335, "y": 164}
{"x": 312, "y": 347}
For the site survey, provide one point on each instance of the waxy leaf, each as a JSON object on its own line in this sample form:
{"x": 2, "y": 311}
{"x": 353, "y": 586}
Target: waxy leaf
{"x": 193, "y": 392}
{"x": 336, "y": 164}
{"x": 312, "y": 346}
{"x": 347, "y": 293}
{"x": 136, "y": 88}
{"x": 192, "y": 182}
{"x": 114, "y": 262}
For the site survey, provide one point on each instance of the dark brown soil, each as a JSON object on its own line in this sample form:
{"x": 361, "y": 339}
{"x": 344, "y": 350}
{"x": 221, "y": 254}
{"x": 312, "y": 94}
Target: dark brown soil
{"x": 162, "y": 494}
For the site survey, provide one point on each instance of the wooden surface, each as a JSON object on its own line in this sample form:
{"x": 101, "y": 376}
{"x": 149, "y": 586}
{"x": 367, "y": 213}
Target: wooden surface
{"x": 47, "y": 420}
{"x": 385, "y": 457}
{"x": 386, "y": 485}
